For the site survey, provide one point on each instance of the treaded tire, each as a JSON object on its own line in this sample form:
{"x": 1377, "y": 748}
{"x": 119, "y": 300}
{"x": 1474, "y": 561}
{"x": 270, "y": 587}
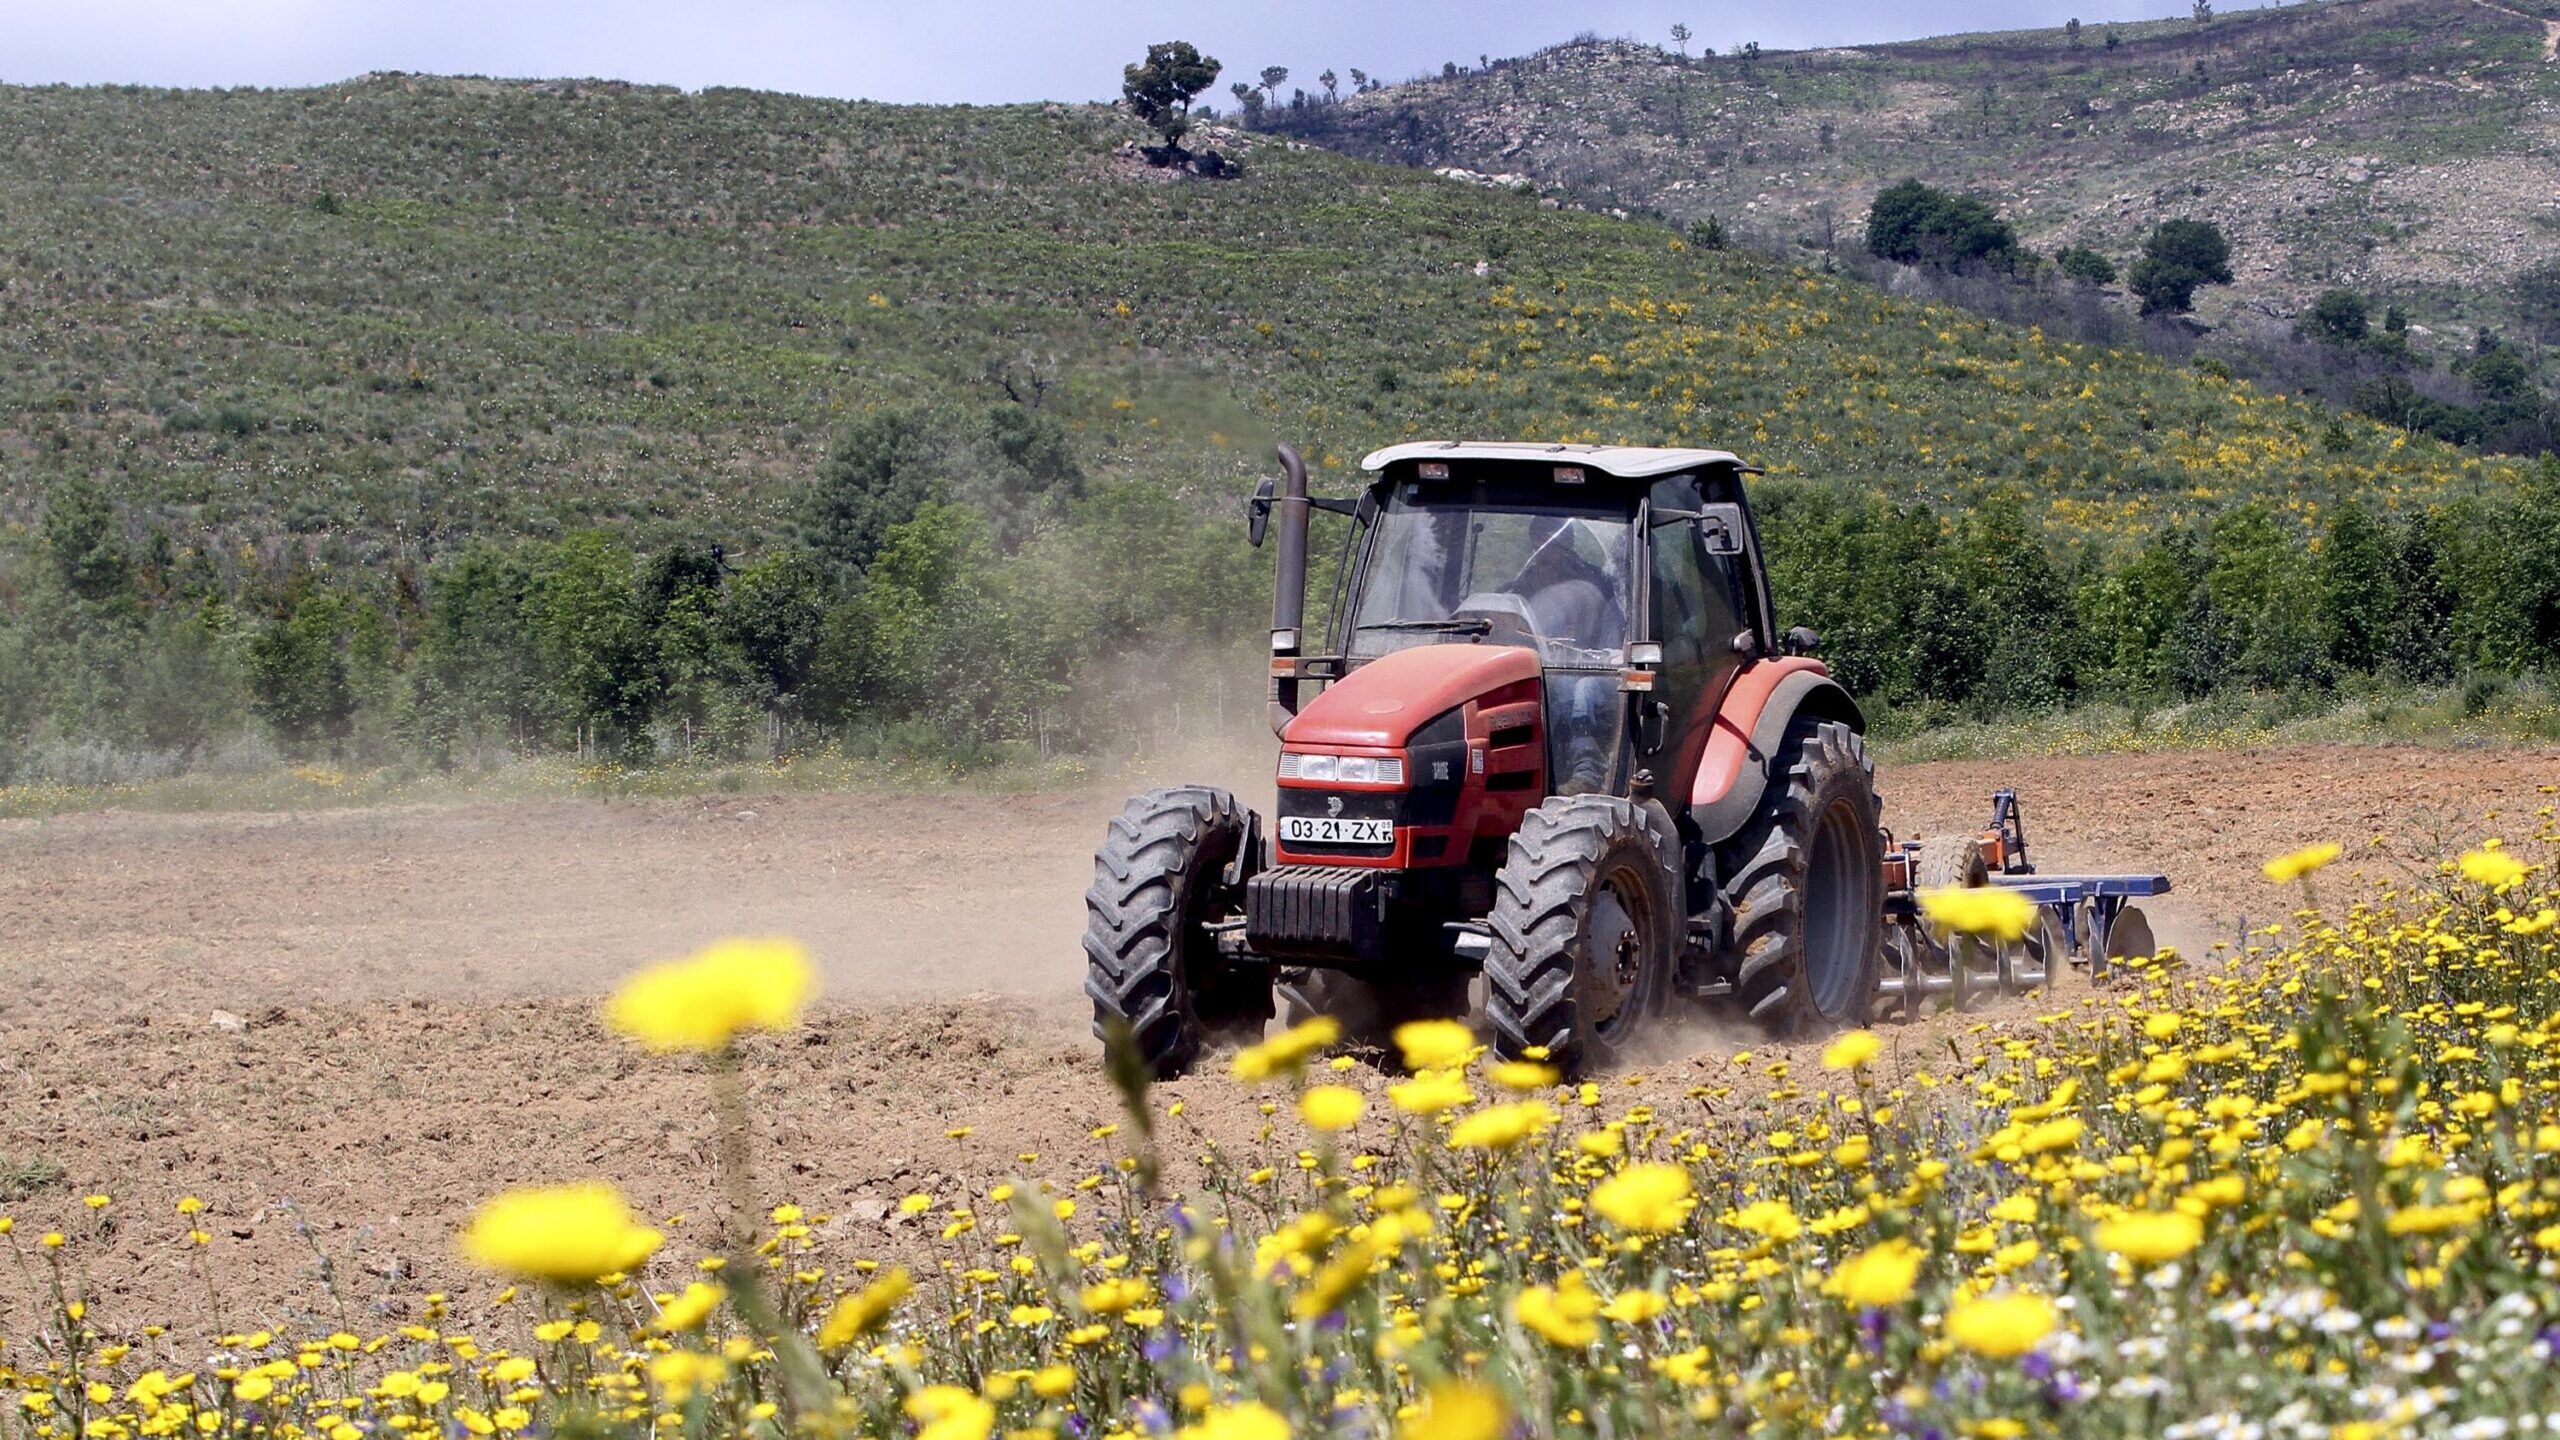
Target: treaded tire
{"x": 1950, "y": 860}
{"x": 1808, "y": 886}
{"x": 1149, "y": 960}
{"x": 1575, "y": 862}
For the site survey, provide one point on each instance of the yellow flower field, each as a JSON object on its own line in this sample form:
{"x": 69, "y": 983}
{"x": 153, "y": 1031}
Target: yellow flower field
{"x": 2310, "y": 1190}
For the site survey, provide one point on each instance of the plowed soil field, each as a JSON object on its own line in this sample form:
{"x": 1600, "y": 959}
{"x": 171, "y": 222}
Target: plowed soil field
{"x": 341, "y": 1029}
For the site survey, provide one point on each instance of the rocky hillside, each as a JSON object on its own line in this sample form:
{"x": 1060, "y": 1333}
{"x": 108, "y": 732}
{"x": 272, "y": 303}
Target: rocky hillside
{"x": 2406, "y": 148}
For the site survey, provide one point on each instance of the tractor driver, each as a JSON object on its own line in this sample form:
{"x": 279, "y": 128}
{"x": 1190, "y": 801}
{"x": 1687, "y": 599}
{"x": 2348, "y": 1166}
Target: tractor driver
{"x": 1577, "y": 605}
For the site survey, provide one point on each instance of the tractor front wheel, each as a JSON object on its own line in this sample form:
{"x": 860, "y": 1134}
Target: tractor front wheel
{"x": 1150, "y": 961}
{"x": 1584, "y": 926}
{"x": 1808, "y": 886}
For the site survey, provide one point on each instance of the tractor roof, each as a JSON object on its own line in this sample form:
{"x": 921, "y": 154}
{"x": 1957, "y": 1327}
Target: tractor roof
{"x": 1627, "y": 462}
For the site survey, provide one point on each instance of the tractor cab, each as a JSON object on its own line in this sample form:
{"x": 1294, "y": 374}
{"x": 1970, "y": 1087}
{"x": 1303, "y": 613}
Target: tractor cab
{"x": 1632, "y": 574}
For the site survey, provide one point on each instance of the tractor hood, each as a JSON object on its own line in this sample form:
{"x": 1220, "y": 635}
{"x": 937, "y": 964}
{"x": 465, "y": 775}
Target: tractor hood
{"x": 1383, "y": 702}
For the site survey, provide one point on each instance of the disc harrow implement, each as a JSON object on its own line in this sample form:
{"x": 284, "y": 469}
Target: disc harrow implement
{"x": 2085, "y": 920}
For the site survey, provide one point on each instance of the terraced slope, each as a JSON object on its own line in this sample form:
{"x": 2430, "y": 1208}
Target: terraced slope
{"x": 2403, "y": 147}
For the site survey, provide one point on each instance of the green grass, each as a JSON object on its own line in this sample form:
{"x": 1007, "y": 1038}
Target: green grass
{"x": 24, "y": 1175}
{"x": 2496, "y": 713}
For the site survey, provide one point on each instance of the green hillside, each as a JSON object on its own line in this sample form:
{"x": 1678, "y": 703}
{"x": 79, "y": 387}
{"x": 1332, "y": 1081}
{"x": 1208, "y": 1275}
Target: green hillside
{"x": 273, "y": 361}
{"x": 403, "y": 310}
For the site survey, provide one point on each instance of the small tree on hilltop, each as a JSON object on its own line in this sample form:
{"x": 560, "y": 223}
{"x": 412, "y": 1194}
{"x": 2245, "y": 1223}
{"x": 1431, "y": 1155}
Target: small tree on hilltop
{"x": 1332, "y": 84}
{"x": 2338, "y": 317}
{"x": 2180, "y": 256}
{"x": 1161, "y": 90}
{"x": 1916, "y": 224}
{"x": 1273, "y": 77}
{"x": 2079, "y": 262}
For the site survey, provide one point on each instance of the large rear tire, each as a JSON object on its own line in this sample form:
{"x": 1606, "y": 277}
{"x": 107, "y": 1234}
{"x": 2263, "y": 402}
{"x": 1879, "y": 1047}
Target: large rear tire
{"x": 1150, "y": 961}
{"x": 1584, "y": 927}
{"x": 1808, "y": 886}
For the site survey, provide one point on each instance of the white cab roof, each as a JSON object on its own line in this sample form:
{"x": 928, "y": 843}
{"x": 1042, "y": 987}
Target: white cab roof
{"x": 1627, "y": 462}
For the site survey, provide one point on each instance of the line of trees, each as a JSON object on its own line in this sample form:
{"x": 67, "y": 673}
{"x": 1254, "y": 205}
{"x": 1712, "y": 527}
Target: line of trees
{"x": 956, "y": 587}
{"x": 1976, "y": 614}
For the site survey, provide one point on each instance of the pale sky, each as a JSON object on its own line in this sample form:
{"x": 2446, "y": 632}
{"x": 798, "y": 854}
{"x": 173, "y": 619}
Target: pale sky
{"x": 915, "y": 50}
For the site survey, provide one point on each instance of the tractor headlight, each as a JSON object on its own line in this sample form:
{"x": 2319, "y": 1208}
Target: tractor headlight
{"x": 1317, "y": 767}
{"x": 1357, "y": 770}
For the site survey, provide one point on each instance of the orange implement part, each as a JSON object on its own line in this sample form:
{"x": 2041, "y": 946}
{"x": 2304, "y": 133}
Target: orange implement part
{"x": 1386, "y": 700}
{"x": 1729, "y": 744}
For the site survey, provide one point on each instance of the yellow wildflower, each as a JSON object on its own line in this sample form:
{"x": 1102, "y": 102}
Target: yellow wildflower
{"x": 1565, "y": 1314}
{"x": 1858, "y": 1047}
{"x": 1331, "y": 1107}
{"x": 1653, "y": 1198}
{"x": 1287, "y": 1053}
{"x": 2493, "y": 868}
{"x": 1250, "y": 1420}
{"x": 688, "y": 1310}
{"x": 1458, "y": 1410}
{"x": 865, "y": 1310}
{"x": 1434, "y": 1044}
{"x": 1882, "y": 1274}
{"x": 2151, "y": 1237}
{"x": 1430, "y": 1093}
{"x": 704, "y": 1002}
{"x": 2293, "y": 865}
{"x": 565, "y": 1234}
{"x": 1985, "y": 910}
{"x": 950, "y": 1412}
{"x": 1499, "y": 1127}
{"x": 2002, "y": 1326}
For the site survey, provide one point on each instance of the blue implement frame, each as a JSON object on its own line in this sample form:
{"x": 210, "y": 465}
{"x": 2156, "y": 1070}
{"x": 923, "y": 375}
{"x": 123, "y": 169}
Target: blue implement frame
{"x": 2106, "y": 895}
{"x": 2073, "y": 904}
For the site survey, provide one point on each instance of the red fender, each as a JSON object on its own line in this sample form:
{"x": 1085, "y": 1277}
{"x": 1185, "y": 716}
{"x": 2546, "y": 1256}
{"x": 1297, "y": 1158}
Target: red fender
{"x": 1729, "y": 742}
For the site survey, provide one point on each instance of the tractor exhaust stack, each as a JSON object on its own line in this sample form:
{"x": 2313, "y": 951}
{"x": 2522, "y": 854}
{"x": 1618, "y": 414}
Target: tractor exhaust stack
{"x": 1289, "y": 589}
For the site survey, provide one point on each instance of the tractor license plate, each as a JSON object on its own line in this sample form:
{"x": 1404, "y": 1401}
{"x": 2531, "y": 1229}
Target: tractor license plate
{"x": 1335, "y": 830}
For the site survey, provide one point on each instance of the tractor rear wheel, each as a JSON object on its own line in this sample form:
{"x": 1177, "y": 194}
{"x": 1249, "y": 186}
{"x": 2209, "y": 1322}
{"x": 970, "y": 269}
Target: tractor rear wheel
{"x": 1150, "y": 961}
{"x": 1808, "y": 886}
{"x": 1583, "y": 930}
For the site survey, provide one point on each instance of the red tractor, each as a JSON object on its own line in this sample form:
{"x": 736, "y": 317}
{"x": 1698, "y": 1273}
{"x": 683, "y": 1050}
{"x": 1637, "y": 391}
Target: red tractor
{"x": 1561, "y": 743}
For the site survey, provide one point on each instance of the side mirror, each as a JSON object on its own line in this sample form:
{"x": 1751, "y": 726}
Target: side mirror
{"x": 1720, "y": 525}
{"x": 1802, "y": 641}
{"x": 1257, "y": 511}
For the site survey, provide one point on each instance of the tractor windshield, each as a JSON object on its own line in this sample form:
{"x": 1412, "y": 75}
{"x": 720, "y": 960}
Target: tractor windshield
{"x": 1491, "y": 562}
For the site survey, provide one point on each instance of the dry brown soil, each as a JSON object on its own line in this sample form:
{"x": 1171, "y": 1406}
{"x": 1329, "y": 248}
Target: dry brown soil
{"x": 342, "y": 1028}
